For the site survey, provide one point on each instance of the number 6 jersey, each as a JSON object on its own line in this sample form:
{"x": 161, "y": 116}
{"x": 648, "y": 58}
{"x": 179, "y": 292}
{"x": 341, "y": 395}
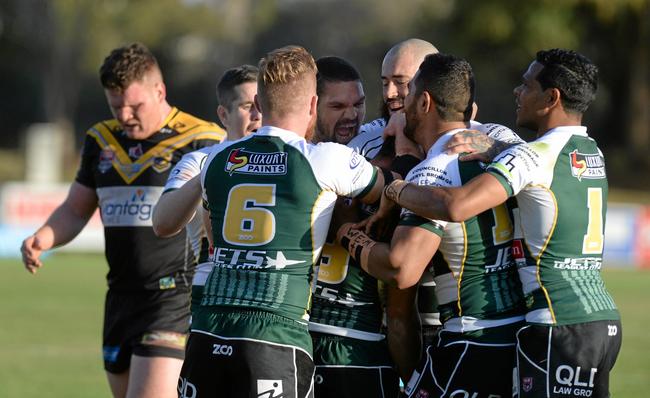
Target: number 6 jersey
{"x": 270, "y": 197}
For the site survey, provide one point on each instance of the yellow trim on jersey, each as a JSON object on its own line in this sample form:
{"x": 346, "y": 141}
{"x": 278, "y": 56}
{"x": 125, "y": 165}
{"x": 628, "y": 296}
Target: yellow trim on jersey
{"x": 538, "y": 260}
{"x": 129, "y": 170}
{"x": 314, "y": 254}
{"x": 462, "y": 267}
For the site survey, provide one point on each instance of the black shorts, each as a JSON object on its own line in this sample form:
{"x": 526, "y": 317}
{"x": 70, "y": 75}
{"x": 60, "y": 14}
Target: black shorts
{"x": 148, "y": 323}
{"x": 459, "y": 367}
{"x": 567, "y": 361}
{"x": 243, "y": 368}
{"x": 353, "y": 368}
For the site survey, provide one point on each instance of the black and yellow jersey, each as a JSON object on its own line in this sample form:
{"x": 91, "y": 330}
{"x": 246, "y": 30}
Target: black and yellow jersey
{"x": 128, "y": 176}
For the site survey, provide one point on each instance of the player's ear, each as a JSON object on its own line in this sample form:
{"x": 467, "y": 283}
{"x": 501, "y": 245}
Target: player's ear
{"x": 313, "y": 106}
{"x": 425, "y": 102}
{"x": 553, "y": 97}
{"x": 222, "y": 112}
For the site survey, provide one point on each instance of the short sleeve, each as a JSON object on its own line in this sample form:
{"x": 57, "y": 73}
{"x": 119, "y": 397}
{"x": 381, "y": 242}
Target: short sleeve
{"x": 436, "y": 171}
{"x": 516, "y": 167}
{"x": 342, "y": 170}
{"x": 187, "y": 168}
{"x": 89, "y": 154}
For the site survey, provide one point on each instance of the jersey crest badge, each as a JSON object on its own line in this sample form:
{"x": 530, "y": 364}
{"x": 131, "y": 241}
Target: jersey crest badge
{"x": 241, "y": 161}
{"x": 162, "y": 163}
{"x": 589, "y": 166}
{"x": 135, "y": 151}
{"x": 106, "y": 158}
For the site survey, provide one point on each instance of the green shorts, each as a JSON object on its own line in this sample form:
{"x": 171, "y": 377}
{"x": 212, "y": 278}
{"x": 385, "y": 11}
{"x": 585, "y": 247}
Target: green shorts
{"x": 347, "y": 367}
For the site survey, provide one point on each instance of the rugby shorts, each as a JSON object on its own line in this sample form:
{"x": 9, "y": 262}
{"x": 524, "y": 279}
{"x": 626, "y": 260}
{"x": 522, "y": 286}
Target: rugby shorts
{"x": 463, "y": 365}
{"x": 567, "y": 361}
{"x": 353, "y": 368}
{"x": 151, "y": 323}
{"x": 241, "y": 367}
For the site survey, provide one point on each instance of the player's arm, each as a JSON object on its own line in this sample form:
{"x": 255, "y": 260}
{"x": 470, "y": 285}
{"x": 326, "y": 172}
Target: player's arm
{"x": 399, "y": 263}
{"x": 456, "y": 204}
{"x": 63, "y": 225}
{"x": 403, "y": 334}
{"x": 176, "y": 208}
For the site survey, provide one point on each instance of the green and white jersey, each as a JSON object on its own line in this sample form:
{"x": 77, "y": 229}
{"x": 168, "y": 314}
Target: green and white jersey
{"x": 561, "y": 188}
{"x": 476, "y": 279}
{"x": 270, "y": 196}
{"x": 187, "y": 168}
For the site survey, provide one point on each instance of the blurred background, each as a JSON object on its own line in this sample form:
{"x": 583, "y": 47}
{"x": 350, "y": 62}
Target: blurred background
{"x": 51, "y": 50}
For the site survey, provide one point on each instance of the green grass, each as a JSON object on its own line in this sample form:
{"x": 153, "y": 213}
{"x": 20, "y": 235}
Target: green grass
{"x": 50, "y": 330}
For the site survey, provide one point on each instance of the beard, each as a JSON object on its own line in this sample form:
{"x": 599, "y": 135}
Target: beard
{"x": 412, "y": 123}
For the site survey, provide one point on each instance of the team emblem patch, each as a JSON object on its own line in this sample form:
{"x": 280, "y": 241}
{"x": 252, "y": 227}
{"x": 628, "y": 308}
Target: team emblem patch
{"x": 135, "y": 151}
{"x": 106, "y": 158}
{"x": 421, "y": 394}
{"x": 355, "y": 160}
{"x": 583, "y": 165}
{"x": 245, "y": 162}
{"x": 162, "y": 163}
{"x": 527, "y": 384}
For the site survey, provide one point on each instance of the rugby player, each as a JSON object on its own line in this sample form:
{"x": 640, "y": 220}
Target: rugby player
{"x": 573, "y": 332}
{"x": 125, "y": 163}
{"x": 398, "y": 67}
{"x": 350, "y": 350}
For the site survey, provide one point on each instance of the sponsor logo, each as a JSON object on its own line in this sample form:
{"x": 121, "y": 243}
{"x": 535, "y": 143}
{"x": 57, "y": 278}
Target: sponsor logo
{"x": 579, "y": 264}
{"x": 167, "y": 130}
{"x": 250, "y": 259}
{"x": 355, "y": 160}
{"x": 421, "y": 394}
{"x": 164, "y": 339}
{"x": 222, "y": 349}
{"x": 527, "y": 384}
{"x": 584, "y": 165}
{"x": 162, "y": 163}
{"x": 502, "y": 261}
{"x": 185, "y": 388}
{"x": 612, "y": 330}
{"x": 106, "y": 157}
{"x": 135, "y": 151}
{"x": 245, "y": 162}
{"x": 269, "y": 389}
{"x": 111, "y": 353}
{"x": 518, "y": 253}
{"x": 167, "y": 282}
{"x": 575, "y": 381}
{"x": 127, "y": 206}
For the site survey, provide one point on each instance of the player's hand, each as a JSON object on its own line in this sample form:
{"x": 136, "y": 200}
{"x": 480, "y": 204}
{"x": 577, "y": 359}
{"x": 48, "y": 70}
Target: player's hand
{"x": 31, "y": 250}
{"x": 378, "y": 222}
{"x": 472, "y": 145}
{"x": 403, "y": 145}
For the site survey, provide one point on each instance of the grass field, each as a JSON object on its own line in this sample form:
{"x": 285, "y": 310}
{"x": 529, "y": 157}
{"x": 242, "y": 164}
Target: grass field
{"x": 50, "y": 330}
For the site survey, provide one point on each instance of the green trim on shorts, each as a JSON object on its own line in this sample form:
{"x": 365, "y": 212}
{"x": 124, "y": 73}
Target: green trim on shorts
{"x": 345, "y": 351}
{"x": 505, "y": 334}
{"x": 257, "y": 325}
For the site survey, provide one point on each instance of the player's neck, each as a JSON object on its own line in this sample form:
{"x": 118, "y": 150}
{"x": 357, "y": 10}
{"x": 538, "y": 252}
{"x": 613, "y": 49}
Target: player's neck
{"x": 558, "y": 119}
{"x": 438, "y": 130}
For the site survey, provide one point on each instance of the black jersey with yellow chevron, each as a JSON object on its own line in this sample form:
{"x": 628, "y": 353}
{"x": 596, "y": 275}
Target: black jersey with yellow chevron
{"x": 128, "y": 176}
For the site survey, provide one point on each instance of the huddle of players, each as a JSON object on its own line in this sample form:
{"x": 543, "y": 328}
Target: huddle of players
{"x": 475, "y": 261}
{"x": 514, "y": 289}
